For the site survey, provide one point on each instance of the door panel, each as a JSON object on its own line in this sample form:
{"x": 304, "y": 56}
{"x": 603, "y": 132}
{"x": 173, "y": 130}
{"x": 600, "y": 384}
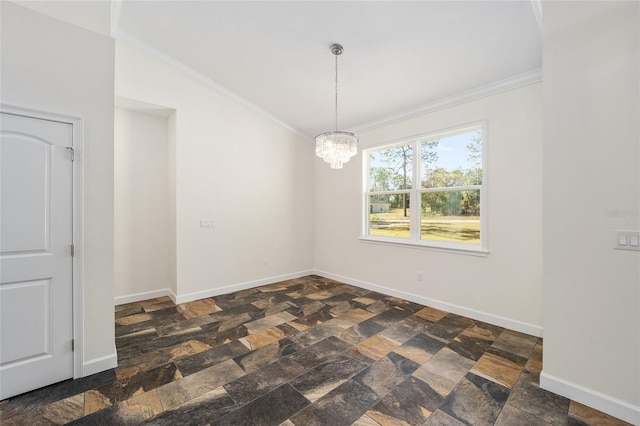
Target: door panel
{"x": 34, "y": 322}
{"x": 36, "y": 315}
{"x": 25, "y": 207}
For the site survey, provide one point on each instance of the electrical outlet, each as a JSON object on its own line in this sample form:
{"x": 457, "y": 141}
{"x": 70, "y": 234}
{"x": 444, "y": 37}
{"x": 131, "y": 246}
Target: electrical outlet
{"x": 419, "y": 275}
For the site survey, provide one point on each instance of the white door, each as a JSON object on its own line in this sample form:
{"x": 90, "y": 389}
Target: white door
{"x": 36, "y": 317}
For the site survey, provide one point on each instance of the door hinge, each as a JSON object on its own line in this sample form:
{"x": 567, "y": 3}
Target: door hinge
{"x": 73, "y": 153}
{"x": 73, "y": 344}
{"x": 73, "y": 249}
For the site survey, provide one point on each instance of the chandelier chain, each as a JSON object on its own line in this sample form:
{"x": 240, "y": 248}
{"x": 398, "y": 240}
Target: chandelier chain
{"x": 336, "y": 55}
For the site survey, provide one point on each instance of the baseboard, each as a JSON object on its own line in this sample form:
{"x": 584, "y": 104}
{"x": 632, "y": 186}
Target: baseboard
{"x": 620, "y": 409}
{"x": 509, "y": 323}
{"x": 130, "y": 298}
{"x": 98, "y": 365}
{"x": 183, "y": 298}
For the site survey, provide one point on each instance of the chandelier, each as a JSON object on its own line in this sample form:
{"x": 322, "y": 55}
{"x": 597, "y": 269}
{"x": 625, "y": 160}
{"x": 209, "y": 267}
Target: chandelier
{"x": 336, "y": 147}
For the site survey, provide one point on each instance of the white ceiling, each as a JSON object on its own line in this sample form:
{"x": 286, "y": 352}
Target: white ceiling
{"x": 398, "y": 55}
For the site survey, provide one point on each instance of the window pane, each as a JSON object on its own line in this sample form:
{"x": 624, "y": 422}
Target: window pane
{"x": 452, "y": 216}
{"x": 389, "y": 215}
{"x": 390, "y": 169}
{"x": 454, "y": 160}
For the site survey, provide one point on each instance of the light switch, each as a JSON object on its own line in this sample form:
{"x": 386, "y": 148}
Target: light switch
{"x": 626, "y": 240}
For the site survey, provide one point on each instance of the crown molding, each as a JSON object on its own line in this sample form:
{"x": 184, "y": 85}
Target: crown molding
{"x": 507, "y": 84}
{"x": 121, "y": 35}
{"x": 490, "y": 89}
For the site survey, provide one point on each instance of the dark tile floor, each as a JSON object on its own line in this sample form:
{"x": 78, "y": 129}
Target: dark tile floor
{"x": 308, "y": 351}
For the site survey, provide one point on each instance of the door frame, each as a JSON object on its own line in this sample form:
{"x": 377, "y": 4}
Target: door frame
{"x": 77, "y": 166}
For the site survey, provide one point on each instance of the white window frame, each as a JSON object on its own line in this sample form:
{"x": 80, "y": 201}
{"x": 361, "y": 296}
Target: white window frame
{"x": 414, "y": 240}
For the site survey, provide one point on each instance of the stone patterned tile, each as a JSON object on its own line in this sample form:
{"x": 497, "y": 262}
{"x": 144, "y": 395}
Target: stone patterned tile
{"x": 359, "y": 333}
{"x": 141, "y": 382}
{"x": 198, "y": 411}
{"x": 420, "y": 348}
{"x": 582, "y": 415}
{"x": 163, "y": 317}
{"x": 161, "y": 342}
{"x": 449, "y": 326}
{"x": 375, "y": 347}
{"x": 391, "y": 316}
{"x": 198, "y": 308}
{"x": 342, "y": 406}
{"x": 268, "y": 322}
{"x": 263, "y": 338}
{"x": 514, "y": 416}
{"x": 95, "y": 401}
{"x": 385, "y": 374}
{"x": 440, "y": 418}
{"x": 516, "y": 343}
{"x": 253, "y": 385}
{"x": 133, "y": 319}
{"x": 32, "y": 401}
{"x": 403, "y": 331}
{"x": 364, "y": 301}
{"x": 444, "y": 370}
{"x": 315, "y": 334}
{"x": 57, "y": 413}
{"x": 468, "y": 346}
{"x": 475, "y": 400}
{"x": 377, "y": 307}
{"x": 270, "y": 409}
{"x": 323, "y": 353}
{"x": 501, "y": 367}
{"x": 534, "y": 363}
{"x": 320, "y": 352}
{"x": 431, "y": 314}
{"x": 184, "y": 389}
{"x": 527, "y": 396}
{"x": 322, "y": 379}
{"x": 194, "y": 363}
{"x": 410, "y": 403}
{"x": 130, "y": 412}
{"x": 265, "y": 355}
{"x": 130, "y": 367}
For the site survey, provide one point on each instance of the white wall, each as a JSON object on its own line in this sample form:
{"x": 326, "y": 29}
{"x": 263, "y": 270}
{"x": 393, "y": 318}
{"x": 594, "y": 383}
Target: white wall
{"x": 142, "y": 204}
{"x": 503, "y": 287}
{"x": 591, "y": 53}
{"x": 235, "y": 167}
{"x": 52, "y": 66}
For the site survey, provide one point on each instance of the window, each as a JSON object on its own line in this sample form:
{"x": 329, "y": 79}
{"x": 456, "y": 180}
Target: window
{"x": 427, "y": 190}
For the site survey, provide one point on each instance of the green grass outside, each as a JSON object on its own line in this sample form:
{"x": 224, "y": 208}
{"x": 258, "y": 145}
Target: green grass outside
{"x": 461, "y": 229}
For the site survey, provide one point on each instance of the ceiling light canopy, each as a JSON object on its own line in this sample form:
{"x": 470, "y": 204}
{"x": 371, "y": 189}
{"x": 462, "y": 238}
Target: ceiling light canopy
{"x": 336, "y": 147}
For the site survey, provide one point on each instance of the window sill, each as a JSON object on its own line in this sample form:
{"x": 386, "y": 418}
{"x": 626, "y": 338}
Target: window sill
{"x": 443, "y": 247}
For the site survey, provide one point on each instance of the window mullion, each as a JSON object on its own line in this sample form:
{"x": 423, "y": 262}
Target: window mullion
{"x": 415, "y": 196}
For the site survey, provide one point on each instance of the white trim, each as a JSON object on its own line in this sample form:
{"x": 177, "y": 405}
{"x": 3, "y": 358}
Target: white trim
{"x": 121, "y": 35}
{"x": 487, "y": 90}
{"x": 512, "y": 324}
{"x": 184, "y": 298}
{"x": 116, "y": 12}
{"x": 415, "y": 237}
{"x": 473, "y": 250}
{"x": 98, "y": 365}
{"x": 605, "y": 403}
{"x": 77, "y": 221}
{"x": 536, "y": 5}
{"x": 137, "y": 297}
